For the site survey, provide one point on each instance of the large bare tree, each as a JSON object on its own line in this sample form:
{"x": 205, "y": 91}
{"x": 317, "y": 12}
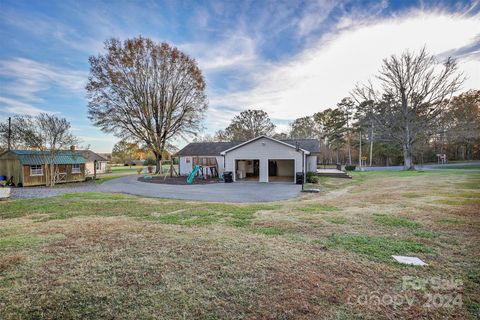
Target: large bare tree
{"x": 146, "y": 91}
{"x": 247, "y": 125}
{"x": 45, "y": 132}
{"x": 409, "y": 96}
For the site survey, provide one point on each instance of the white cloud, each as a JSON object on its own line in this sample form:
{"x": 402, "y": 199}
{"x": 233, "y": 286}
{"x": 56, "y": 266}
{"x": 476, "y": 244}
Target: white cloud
{"x": 324, "y": 73}
{"x": 235, "y": 50}
{"x": 29, "y": 77}
{"x": 14, "y": 106}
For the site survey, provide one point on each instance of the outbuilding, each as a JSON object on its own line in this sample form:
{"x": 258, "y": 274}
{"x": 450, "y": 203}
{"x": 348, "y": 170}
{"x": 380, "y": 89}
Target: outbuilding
{"x": 262, "y": 159}
{"x": 95, "y": 163}
{"x": 29, "y": 167}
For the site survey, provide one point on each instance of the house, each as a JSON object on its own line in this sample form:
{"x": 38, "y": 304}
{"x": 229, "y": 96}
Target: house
{"x": 262, "y": 159}
{"x": 93, "y": 160}
{"x": 27, "y": 167}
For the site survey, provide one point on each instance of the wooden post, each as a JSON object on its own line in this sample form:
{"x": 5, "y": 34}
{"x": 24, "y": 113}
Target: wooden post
{"x": 95, "y": 170}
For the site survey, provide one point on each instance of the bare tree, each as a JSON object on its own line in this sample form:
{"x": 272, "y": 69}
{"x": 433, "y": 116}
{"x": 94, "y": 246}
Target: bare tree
{"x": 146, "y": 91}
{"x": 47, "y": 133}
{"x": 9, "y": 136}
{"x": 410, "y": 96}
{"x": 247, "y": 125}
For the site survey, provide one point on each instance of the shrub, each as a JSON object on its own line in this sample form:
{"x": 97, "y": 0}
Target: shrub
{"x": 149, "y": 162}
{"x": 312, "y": 177}
{"x": 350, "y": 167}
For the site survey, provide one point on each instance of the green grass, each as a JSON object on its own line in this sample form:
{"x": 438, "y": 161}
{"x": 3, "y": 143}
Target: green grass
{"x": 318, "y": 207}
{"x": 126, "y": 168}
{"x": 462, "y": 167}
{"x": 102, "y": 179}
{"x": 25, "y": 240}
{"x": 160, "y": 211}
{"x": 459, "y": 202}
{"x": 270, "y": 231}
{"x": 412, "y": 195}
{"x": 425, "y": 234}
{"x": 392, "y": 221}
{"x": 376, "y": 247}
{"x": 134, "y": 169}
{"x": 336, "y": 220}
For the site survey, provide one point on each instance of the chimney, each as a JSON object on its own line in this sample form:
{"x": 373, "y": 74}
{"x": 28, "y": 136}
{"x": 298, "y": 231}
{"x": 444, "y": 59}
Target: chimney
{"x": 72, "y": 148}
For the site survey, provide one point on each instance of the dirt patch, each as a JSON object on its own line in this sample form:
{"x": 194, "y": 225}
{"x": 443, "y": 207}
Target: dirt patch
{"x": 179, "y": 180}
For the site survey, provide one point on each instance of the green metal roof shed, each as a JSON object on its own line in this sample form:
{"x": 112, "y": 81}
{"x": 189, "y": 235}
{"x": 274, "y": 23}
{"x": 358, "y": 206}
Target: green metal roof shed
{"x": 36, "y": 157}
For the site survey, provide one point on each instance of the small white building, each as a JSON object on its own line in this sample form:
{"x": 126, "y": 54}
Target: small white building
{"x": 261, "y": 159}
{"x": 93, "y": 160}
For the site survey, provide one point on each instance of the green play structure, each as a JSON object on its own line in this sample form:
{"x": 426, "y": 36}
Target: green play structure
{"x": 192, "y": 174}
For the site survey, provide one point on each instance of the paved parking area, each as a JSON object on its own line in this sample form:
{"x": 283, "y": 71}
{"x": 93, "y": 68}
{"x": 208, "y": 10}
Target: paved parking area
{"x": 238, "y": 192}
{"x": 216, "y": 192}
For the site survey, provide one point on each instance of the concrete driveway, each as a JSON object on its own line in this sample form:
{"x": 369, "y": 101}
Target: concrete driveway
{"x": 240, "y": 192}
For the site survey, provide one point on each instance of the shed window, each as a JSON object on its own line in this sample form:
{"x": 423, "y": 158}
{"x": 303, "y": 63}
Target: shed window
{"x": 76, "y": 168}
{"x": 36, "y": 170}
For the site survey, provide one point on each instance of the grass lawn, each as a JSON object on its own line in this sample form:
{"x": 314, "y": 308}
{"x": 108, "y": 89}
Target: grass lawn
{"x": 321, "y": 256}
{"x": 133, "y": 169}
{"x": 463, "y": 167}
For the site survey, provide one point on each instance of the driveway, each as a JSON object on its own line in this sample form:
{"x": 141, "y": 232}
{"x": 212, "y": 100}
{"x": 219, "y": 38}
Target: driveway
{"x": 239, "y": 192}
{"x": 215, "y": 192}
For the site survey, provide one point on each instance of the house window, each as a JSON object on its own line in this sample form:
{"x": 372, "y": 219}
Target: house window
{"x": 187, "y": 160}
{"x": 36, "y": 170}
{"x": 76, "y": 168}
{"x": 98, "y": 165}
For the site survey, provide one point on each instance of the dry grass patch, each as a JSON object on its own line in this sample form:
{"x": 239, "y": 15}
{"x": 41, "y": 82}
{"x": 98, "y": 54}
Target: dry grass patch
{"x": 98, "y": 255}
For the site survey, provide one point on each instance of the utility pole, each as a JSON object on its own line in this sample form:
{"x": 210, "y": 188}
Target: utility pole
{"x": 9, "y": 134}
{"x": 371, "y": 145}
{"x": 360, "y": 151}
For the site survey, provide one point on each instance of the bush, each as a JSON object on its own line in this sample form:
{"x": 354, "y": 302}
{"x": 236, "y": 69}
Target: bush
{"x": 149, "y": 162}
{"x": 312, "y": 177}
{"x": 350, "y": 167}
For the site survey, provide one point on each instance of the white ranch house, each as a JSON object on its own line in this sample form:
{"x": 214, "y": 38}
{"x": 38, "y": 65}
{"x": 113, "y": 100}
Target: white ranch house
{"x": 261, "y": 159}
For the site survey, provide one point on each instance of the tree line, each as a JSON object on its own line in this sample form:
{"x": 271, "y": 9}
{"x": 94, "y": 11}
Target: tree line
{"x": 408, "y": 114}
{"x": 153, "y": 95}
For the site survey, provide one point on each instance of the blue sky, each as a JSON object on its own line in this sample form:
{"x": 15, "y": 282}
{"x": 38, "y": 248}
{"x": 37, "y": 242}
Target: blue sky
{"x": 290, "y": 58}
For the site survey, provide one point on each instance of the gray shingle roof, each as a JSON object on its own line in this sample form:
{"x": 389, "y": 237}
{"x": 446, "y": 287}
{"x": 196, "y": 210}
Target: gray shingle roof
{"x": 207, "y": 148}
{"x": 214, "y": 148}
{"x": 90, "y": 155}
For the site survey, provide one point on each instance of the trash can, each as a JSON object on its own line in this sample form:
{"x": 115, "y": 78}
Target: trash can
{"x": 299, "y": 178}
{"x": 228, "y": 176}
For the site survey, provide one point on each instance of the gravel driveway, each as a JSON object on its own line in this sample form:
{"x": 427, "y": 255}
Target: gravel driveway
{"x": 218, "y": 192}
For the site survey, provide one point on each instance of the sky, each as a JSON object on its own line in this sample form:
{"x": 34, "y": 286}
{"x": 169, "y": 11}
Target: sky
{"x": 290, "y": 58}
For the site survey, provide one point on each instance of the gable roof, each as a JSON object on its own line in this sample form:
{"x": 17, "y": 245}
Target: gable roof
{"x": 216, "y": 148}
{"x": 89, "y": 155}
{"x": 207, "y": 148}
{"x": 37, "y": 157}
{"x": 265, "y": 137}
